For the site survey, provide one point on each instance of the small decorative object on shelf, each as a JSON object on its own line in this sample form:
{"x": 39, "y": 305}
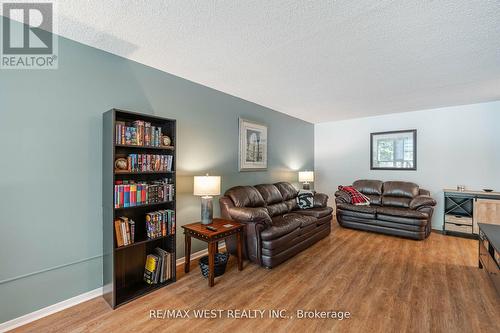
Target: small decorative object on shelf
{"x": 206, "y": 187}
{"x": 139, "y": 205}
{"x": 165, "y": 140}
{"x": 121, "y": 164}
{"x": 461, "y": 188}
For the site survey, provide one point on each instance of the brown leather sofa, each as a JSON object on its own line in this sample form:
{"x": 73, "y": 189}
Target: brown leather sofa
{"x": 275, "y": 228}
{"x": 396, "y": 208}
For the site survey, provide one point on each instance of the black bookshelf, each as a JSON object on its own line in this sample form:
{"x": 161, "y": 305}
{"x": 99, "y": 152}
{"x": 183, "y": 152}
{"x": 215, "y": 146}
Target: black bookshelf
{"x": 123, "y": 266}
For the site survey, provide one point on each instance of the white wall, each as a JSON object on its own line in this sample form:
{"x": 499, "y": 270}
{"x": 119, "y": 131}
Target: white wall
{"x": 455, "y": 145}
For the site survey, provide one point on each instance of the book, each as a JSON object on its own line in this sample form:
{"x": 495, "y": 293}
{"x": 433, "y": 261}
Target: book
{"x": 165, "y": 267}
{"x": 118, "y": 231}
{"x": 150, "y": 268}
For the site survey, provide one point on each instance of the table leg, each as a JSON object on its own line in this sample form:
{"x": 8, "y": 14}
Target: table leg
{"x": 240, "y": 240}
{"x": 187, "y": 252}
{"x": 211, "y": 263}
{"x": 216, "y": 247}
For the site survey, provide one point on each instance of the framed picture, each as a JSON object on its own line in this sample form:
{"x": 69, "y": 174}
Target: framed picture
{"x": 253, "y": 146}
{"x": 396, "y": 150}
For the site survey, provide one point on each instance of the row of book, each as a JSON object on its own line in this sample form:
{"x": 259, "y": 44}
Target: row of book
{"x": 158, "y": 267}
{"x": 139, "y": 133}
{"x": 160, "y": 223}
{"x": 149, "y": 162}
{"x": 125, "y": 231}
{"x": 131, "y": 194}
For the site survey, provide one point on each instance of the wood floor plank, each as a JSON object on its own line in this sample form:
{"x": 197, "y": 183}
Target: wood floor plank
{"x": 388, "y": 284}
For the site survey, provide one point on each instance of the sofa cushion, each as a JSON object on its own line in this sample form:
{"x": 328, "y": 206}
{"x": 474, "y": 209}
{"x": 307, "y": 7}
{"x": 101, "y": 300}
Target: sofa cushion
{"x": 291, "y": 204}
{"x": 390, "y": 201}
{"x": 270, "y": 193}
{"x": 317, "y": 212}
{"x": 357, "y": 211}
{"x": 375, "y": 199}
{"x": 245, "y": 196}
{"x": 400, "y": 189}
{"x": 306, "y": 220}
{"x": 367, "y": 186}
{"x": 277, "y": 209}
{"x": 287, "y": 190}
{"x": 282, "y": 225}
{"x": 401, "y": 212}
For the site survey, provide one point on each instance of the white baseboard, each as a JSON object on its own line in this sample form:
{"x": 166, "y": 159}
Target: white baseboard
{"x": 51, "y": 309}
{"x": 198, "y": 254}
{"x": 28, "y": 318}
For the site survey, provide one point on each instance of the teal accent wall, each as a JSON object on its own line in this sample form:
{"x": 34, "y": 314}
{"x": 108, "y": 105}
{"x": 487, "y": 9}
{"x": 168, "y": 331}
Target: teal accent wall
{"x": 50, "y": 184}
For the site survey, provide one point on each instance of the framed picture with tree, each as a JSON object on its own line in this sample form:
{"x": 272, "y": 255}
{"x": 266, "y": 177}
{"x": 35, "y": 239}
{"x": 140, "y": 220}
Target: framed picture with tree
{"x": 394, "y": 150}
{"x": 253, "y": 146}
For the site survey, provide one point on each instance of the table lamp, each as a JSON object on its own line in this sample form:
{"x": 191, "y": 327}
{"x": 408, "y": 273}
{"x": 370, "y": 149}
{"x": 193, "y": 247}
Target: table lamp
{"x": 306, "y": 177}
{"x": 206, "y": 187}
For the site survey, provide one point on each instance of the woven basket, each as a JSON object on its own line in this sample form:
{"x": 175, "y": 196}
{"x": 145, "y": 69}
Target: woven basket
{"x": 220, "y": 264}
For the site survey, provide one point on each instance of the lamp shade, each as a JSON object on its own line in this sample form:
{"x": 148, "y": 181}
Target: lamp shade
{"x": 206, "y": 185}
{"x": 306, "y": 176}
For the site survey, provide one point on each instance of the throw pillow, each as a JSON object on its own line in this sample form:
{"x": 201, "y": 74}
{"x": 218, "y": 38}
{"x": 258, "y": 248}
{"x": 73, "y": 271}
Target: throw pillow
{"x": 357, "y": 198}
{"x": 305, "y": 199}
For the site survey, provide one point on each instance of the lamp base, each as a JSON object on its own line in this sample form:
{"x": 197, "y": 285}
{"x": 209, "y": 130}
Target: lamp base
{"x": 306, "y": 186}
{"x": 206, "y": 210}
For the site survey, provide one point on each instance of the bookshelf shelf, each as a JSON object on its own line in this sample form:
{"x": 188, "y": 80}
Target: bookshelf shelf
{"x": 142, "y": 172}
{"x": 136, "y": 291}
{"x": 152, "y": 205}
{"x": 141, "y": 242}
{"x": 145, "y": 147}
{"x": 124, "y": 266}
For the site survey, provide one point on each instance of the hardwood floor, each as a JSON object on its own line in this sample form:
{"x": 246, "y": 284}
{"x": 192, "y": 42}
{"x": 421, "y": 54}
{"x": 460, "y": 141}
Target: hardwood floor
{"x": 388, "y": 284}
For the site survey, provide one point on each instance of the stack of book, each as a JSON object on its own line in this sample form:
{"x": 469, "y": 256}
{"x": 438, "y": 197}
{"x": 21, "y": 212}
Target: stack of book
{"x": 131, "y": 194}
{"x": 158, "y": 267}
{"x": 125, "y": 231}
{"x": 148, "y": 162}
{"x": 160, "y": 223}
{"x": 138, "y": 133}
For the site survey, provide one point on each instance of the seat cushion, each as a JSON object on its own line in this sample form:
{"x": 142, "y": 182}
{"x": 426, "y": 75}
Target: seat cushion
{"x": 307, "y": 221}
{"x": 282, "y": 225}
{"x": 401, "y": 212}
{"x": 358, "y": 211}
{"x": 316, "y": 212}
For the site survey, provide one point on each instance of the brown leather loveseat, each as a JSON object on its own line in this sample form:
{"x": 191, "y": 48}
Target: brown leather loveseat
{"x": 396, "y": 208}
{"x": 275, "y": 228}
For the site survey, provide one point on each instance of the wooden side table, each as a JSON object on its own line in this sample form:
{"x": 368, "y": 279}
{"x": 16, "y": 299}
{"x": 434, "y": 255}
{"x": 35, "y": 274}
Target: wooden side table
{"x": 225, "y": 229}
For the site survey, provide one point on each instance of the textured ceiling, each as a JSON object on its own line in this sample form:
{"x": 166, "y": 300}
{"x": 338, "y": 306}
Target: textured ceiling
{"x": 315, "y": 60}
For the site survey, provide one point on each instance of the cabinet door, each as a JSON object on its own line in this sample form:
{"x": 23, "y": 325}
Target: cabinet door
{"x": 486, "y": 211}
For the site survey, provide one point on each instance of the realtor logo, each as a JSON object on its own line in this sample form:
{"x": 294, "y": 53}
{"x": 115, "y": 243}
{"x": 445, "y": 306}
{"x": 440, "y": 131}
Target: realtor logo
{"x": 28, "y": 36}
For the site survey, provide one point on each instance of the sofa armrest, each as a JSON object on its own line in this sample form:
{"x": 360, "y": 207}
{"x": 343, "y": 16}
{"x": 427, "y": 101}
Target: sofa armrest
{"x": 250, "y": 214}
{"x": 421, "y": 201}
{"x": 320, "y": 200}
{"x": 342, "y": 197}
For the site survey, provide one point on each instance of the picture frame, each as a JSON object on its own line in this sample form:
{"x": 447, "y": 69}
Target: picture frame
{"x": 393, "y": 150}
{"x": 252, "y": 146}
